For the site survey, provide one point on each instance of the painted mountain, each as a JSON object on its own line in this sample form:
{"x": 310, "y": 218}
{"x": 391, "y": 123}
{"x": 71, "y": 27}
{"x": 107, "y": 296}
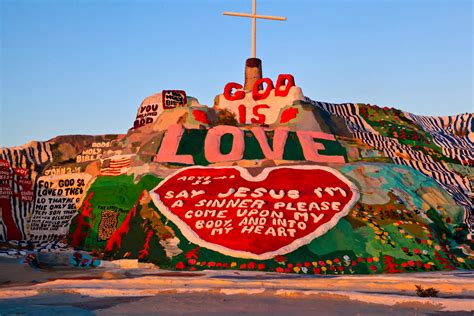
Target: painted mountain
{"x": 266, "y": 179}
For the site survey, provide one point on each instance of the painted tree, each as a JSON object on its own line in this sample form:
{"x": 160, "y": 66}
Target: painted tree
{"x": 81, "y": 225}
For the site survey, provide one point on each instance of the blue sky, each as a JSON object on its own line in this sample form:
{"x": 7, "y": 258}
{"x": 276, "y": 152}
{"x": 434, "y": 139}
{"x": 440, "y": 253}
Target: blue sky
{"x": 83, "y": 67}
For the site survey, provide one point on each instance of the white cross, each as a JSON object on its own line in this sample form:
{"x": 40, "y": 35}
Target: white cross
{"x": 254, "y": 17}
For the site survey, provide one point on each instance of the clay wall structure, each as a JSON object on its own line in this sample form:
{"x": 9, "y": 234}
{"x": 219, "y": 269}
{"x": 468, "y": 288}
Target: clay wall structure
{"x": 266, "y": 179}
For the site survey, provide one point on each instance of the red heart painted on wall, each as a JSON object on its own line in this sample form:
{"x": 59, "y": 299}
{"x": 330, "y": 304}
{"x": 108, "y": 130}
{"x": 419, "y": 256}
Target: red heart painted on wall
{"x": 228, "y": 210}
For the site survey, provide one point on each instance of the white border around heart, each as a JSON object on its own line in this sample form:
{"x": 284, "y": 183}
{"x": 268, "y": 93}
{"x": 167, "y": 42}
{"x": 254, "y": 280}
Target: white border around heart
{"x": 189, "y": 233}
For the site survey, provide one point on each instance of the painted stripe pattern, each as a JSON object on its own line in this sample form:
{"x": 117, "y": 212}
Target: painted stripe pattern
{"x": 453, "y": 134}
{"x": 32, "y": 157}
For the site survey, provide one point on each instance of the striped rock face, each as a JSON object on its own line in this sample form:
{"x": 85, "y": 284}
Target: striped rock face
{"x": 228, "y": 210}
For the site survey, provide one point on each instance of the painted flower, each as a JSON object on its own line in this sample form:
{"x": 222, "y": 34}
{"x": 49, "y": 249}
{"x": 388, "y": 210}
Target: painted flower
{"x": 191, "y": 262}
{"x": 376, "y": 259}
{"x": 251, "y": 265}
{"x": 297, "y": 269}
{"x": 280, "y": 259}
{"x": 180, "y": 265}
{"x": 304, "y": 269}
{"x": 279, "y": 270}
{"x": 427, "y": 266}
{"x": 373, "y": 268}
{"x": 461, "y": 260}
{"x": 425, "y": 252}
{"x": 261, "y": 266}
{"x": 316, "y": 270}
{"x": 336, "y": 260}
{"x": 404, "y": 265}
{"x": 416, "y": 251}
{"x": 233, "y": 264}
{"x": 346, "y": 258}
{"x": 329, "y": 262}
{"x": 370, "y": 260}
{"x": 321, "y": 263}
{"x": 405, "y": 249}
{"x": 411, "y": 263}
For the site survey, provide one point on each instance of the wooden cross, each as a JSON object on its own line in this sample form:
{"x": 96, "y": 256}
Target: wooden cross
{"x": 254, "y": 17}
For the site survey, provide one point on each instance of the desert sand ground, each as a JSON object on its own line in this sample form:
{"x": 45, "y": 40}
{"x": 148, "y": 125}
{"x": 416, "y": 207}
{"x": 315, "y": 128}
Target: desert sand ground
{"x": 128, "y": 289}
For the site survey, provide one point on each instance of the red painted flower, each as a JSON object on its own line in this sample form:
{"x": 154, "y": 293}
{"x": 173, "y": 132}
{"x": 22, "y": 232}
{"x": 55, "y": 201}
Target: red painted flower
{"x": 411, "y": 263}
{"x": 191, "y": 262}
{"x": 307, "y": 264}
{"x": 180, "y": 265}
{"x": 321, "y": 263}
{"x": 252, "y": 265}
{"x": 261, "y": 266}
{"x": 279, "y": 270}
{"x": 287, "y": 270}
{"x": 211, "y": 264}
{"x": 404, "y": 264}
{"x": 370, "y": 260}
{"x": 360, "y": 259}
{"x": 317, "y": 270}
{"x": 243, "y": 266}
{"x": 336, "y": 260}
{"x": 405, "y": 249}
{"x": 340, "y": 268}
{"x": 427, "y": 266}
{"x": 416, "y": 251}
{"x": 280, "y": 259}
{"x": 353, "y": 263}
{"x": 373, "y": 268}
{"x": 290, "y": 265}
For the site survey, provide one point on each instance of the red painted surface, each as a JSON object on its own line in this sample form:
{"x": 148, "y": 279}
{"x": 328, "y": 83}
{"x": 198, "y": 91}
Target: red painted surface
{"x": 6, "y": 194}
{"x": 208, "y": 183}
{"x": 200, "y": 116}
{"x": 288, "y": 115}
